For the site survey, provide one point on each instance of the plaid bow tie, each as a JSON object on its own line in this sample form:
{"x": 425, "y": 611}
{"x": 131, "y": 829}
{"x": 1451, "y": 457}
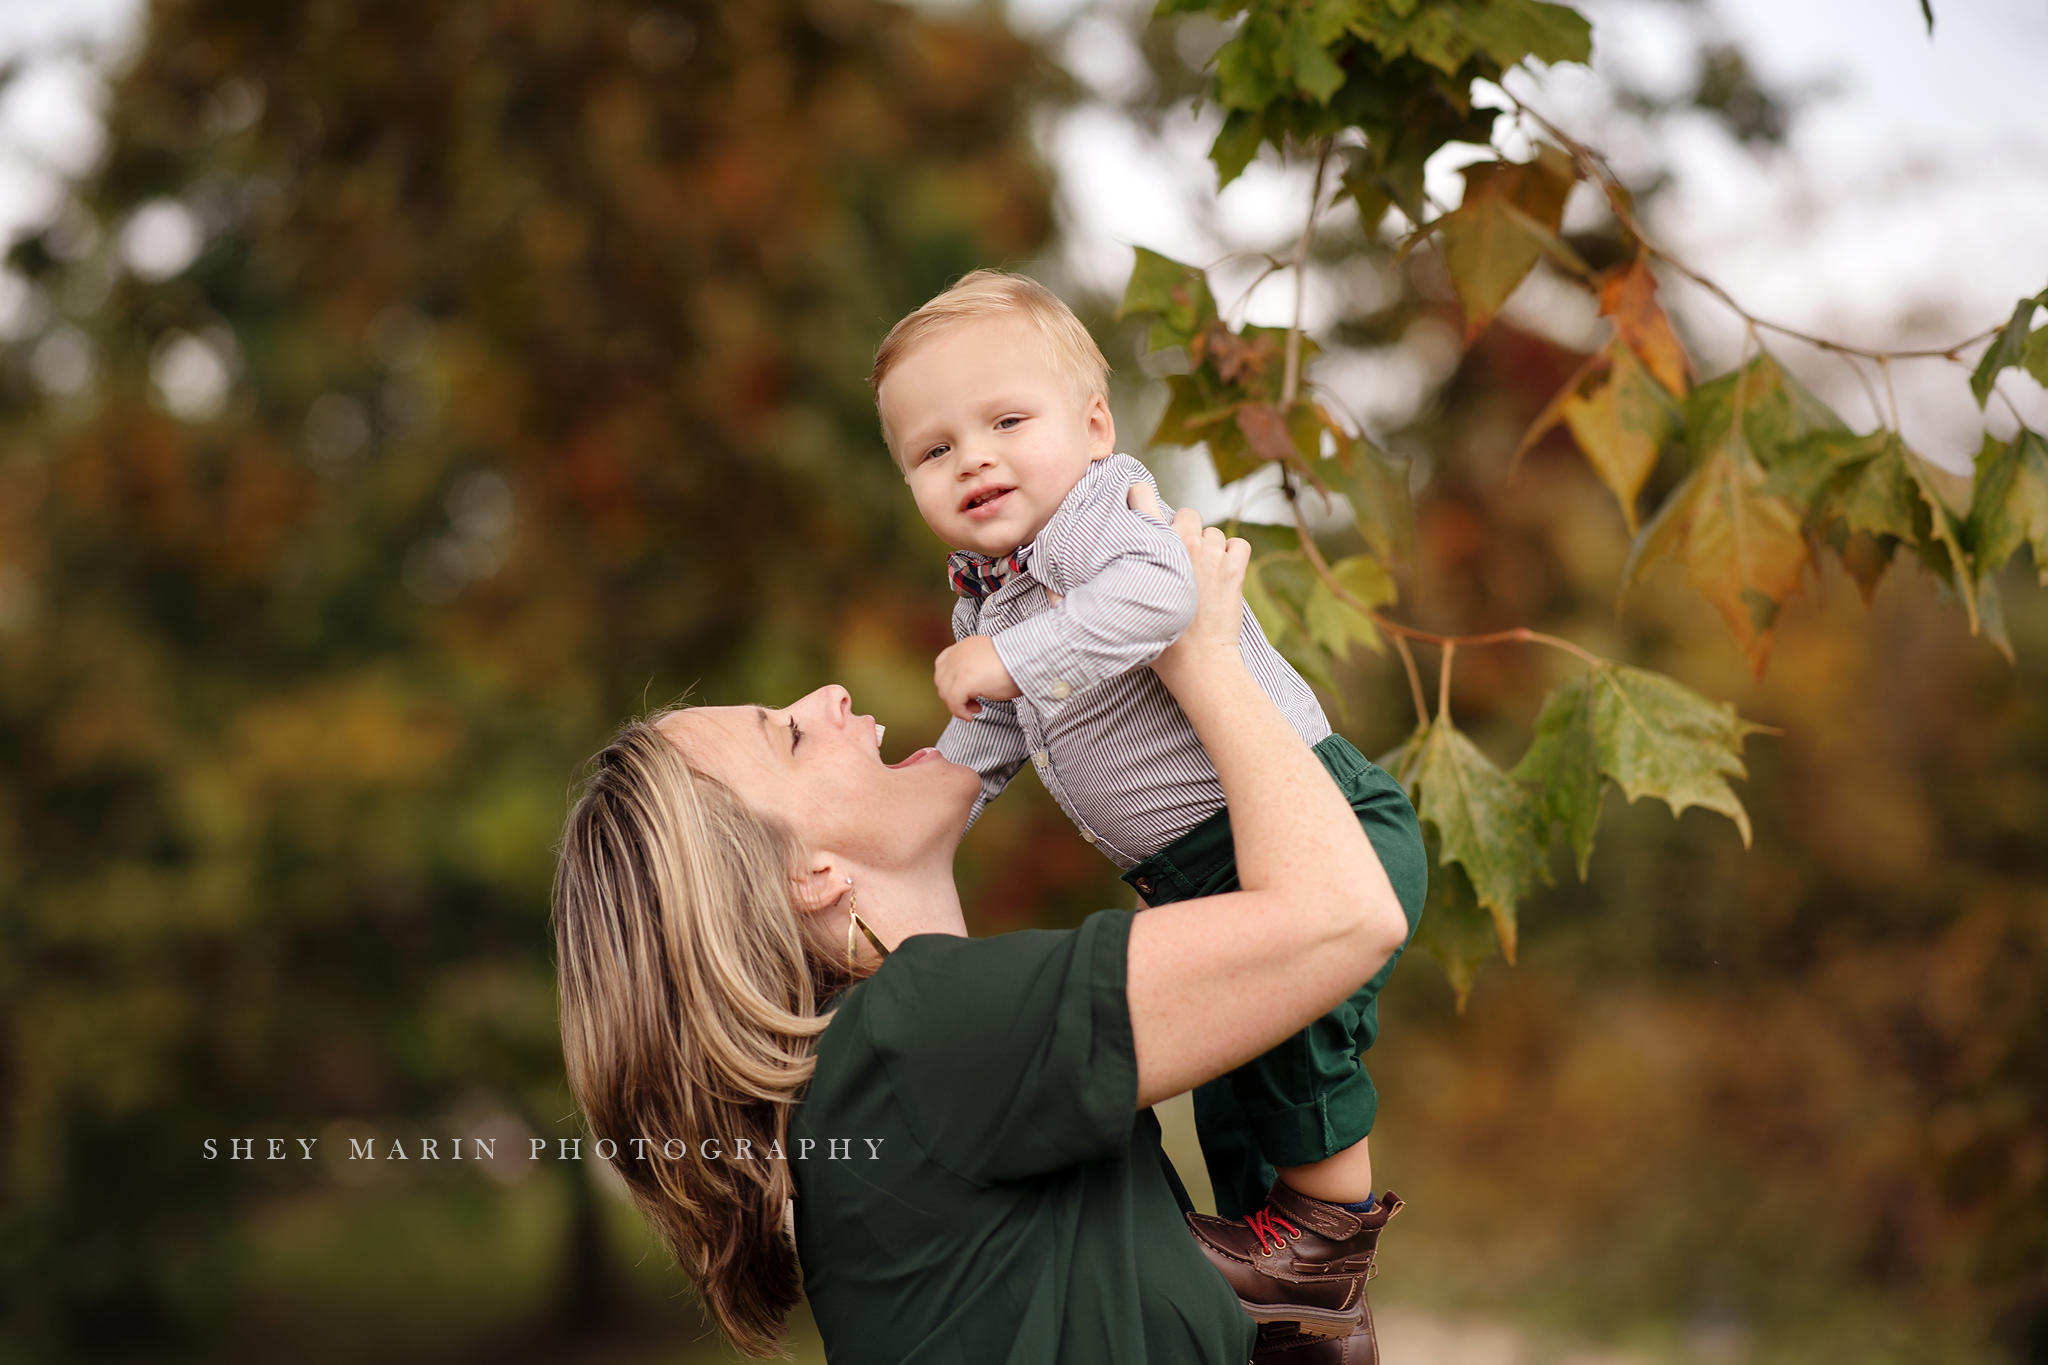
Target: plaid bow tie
{"x": 975, "y": 575}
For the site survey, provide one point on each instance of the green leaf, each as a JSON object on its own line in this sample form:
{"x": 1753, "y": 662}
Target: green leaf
{"x": 1377, "y": 490}
{"x": 1489, "y": 823}
{"x": 1314, "y": 73}
{"x": 1271, "y": 619}
{"x": 2034, "y": 357}
{"x": 2007, "y": 348}
{"x": 1658, "y": 738}
{"x": 2009, "y": 504}
{"x": 1236, "y": 145}
{"x": 1507, "y": 222}
{"x": 1927, "y": 13}
{"x": 1332, "y": 17}
{"x": 1176, "y": 295}
{"x": 1455, "y": 933}
{"x": 1247, "y": 66}
{"x": 1400, "y": 762}
{"x": 1565, "y": 758}
{"x": 1334, "y": 624}
{"x": 1513, "y": 30}
{"x": 1891, "y": 492}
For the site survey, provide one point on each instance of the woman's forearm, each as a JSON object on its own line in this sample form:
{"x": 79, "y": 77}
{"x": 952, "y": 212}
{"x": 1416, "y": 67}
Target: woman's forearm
{"x": 1291, "y": 824}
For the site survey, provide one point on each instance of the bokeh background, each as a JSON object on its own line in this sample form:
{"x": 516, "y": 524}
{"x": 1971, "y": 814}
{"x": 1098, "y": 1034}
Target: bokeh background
{"x": 394, "y": 396}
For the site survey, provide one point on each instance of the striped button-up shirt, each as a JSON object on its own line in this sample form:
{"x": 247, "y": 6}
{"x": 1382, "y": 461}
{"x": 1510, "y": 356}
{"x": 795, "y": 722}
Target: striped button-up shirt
{"x": 1107, "y": 738}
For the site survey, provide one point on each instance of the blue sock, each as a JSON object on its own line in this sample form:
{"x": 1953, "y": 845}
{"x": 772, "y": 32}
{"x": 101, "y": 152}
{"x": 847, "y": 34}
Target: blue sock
{"x": 1365, "y": 1205}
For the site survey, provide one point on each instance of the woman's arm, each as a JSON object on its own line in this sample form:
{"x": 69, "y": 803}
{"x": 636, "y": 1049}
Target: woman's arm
{"x": 1214, "y": 982}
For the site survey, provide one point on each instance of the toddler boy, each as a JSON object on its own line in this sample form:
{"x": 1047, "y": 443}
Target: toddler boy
{"x": 993, "y": 401}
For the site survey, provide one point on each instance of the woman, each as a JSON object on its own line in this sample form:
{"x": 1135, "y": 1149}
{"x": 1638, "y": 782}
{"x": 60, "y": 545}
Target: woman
{"x": 766, "y": 977}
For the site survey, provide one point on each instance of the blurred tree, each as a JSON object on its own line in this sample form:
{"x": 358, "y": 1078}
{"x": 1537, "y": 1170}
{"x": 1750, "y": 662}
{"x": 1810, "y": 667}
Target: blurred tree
{"x": 424, "y": 387}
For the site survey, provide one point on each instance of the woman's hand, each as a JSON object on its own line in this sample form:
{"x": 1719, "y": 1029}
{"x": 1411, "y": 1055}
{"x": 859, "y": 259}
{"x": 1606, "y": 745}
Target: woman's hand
{"x": 1212, "y": 639}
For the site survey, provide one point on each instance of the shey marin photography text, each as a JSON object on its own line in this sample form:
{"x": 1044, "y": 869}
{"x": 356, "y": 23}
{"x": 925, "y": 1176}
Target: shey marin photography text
{"x": 565, "y": 1149}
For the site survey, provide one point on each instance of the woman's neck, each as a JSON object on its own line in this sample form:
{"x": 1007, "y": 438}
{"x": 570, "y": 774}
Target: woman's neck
{"x": 900, "y": 903}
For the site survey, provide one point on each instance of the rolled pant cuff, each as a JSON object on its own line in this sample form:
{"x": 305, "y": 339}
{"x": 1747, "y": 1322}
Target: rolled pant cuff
{"x": 1339, "y": 1117}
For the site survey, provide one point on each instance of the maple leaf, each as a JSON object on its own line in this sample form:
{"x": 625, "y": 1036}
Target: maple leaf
{"x": 2009, "y": 504}
{"x": 1628, "y": 295}
{"x": 2009, "y": 347}
{"x": 1879, "y": 494}
{"x": 2034, "y": 357}
{"x": 1455, "y": 932}
{"x": 1648, "y": 733}
{"x": 1620, "y": 418}
{"x": 1739, "y": 539}
{"x": 1174, "y": 295}
{"x": 1508, "y": 220}
{"x": 1334, "y": 624}
{"x": 1265, "y": 431}
{"x": 1377, "y": 490}
{"x": 1236, "y": 359}
{"x": 1488, "y": 822}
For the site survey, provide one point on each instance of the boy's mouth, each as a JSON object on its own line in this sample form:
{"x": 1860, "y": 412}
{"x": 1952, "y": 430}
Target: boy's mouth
{"x": 986, "y": 502}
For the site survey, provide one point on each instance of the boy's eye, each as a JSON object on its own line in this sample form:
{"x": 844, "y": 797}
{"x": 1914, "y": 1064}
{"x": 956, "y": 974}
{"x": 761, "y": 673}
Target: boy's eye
{"x": 1006, "y": 423}
{"x": 936, "y": 451}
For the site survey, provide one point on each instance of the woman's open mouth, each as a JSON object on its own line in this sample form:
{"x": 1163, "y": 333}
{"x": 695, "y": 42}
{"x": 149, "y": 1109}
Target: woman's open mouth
{"x": 986, "y": 503}
{"x": 921, "y": 756}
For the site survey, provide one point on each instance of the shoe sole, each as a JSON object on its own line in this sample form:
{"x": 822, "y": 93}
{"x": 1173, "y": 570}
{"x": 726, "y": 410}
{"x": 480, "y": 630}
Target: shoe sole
{"x": 1328, "y": 1323}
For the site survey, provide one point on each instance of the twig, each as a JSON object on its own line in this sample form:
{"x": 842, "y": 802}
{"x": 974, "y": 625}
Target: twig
{"x": 1520, "y": 635}
{"x": 1891, "y": 393}
{"x": 1290, "y": 377}
{"x": 1443, "y": 682}
{"x": 1599, "y": 171}
{"x": 1414, "y": 679}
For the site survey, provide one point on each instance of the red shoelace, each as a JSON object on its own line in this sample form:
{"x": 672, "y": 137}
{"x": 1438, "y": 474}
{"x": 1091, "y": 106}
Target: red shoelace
{"x": 1266, "y": 1223}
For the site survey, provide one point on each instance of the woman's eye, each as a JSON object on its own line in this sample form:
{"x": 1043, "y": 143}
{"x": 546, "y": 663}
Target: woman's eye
{"x": 796, "y": 735}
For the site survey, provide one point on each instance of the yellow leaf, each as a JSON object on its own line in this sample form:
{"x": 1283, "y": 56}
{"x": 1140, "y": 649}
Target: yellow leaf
{"x": 1621, "y": 419}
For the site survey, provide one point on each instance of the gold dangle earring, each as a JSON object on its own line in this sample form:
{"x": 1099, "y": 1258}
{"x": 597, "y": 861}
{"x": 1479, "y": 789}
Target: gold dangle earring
{"x": 854, "y": 921}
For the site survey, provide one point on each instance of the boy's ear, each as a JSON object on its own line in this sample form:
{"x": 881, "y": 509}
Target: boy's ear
{"x": 818, "y": 888}
{"x": 1101, "y": 429}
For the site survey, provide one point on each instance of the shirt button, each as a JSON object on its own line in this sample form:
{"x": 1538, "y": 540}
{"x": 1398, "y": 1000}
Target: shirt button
{"x": 1089, "y": 835}
{"x": 1059, "y": 689}
{"x": 1039, "y": 758}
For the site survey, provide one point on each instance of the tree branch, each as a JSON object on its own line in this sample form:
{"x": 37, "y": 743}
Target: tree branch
{"x": 1520, "y": 635}
{"x": 1597, "y": 170}
{"x": 1290, "y": 377}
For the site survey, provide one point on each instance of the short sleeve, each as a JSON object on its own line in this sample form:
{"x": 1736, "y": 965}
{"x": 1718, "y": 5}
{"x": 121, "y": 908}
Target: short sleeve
{"x": 1010, "y": 1056}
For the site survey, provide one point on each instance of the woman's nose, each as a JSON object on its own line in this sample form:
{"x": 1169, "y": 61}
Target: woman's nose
{"x": 834, "y": 701}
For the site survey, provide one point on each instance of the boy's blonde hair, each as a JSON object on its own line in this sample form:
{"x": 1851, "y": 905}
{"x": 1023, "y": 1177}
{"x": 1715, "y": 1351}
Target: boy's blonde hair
{"x": 998, "y": 293}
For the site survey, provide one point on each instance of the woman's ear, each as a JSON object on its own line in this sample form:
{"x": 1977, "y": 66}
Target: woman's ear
{"x": 818, "y": 888}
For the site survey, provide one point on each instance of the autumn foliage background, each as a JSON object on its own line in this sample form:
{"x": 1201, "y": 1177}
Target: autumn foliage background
{"x": 546, "y": 327}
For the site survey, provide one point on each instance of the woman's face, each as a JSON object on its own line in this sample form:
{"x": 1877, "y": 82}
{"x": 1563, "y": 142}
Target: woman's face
{"x": 817, "y": 767}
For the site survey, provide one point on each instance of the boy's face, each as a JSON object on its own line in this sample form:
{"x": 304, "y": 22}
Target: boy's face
{"x": 992, "y": 438}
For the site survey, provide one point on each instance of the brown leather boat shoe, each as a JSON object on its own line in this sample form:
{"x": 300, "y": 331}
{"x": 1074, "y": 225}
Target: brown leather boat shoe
{"x": 1283, "y": 1343}
{"x": 1299, "y": 1259}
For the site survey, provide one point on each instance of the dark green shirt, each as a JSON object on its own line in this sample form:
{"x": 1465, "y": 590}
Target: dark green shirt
{"x": 995, "y": 1196}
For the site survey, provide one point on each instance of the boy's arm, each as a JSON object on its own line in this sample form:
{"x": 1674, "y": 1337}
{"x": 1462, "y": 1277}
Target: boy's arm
{"x": 992, "y": 744}
{"x": 1129, "y": 593}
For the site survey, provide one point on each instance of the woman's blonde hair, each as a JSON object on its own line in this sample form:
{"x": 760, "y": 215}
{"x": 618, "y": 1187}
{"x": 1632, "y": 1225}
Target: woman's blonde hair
{"x": 690, "y": 994}
{"x": 999, "y": 293}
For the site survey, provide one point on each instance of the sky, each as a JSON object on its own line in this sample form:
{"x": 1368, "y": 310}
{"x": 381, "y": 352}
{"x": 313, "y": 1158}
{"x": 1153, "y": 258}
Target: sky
{"x": 1910, "y": 206}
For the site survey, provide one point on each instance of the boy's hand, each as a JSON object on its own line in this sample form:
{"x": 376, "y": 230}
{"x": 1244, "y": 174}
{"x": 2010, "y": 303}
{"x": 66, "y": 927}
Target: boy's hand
{"x": 972, "y": 669}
